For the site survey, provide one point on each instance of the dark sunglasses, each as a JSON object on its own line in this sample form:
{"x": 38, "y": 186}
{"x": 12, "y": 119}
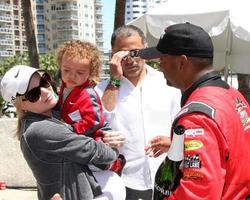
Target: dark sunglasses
{"x": 132, "y": 54}
{"x": 34, "y": 94}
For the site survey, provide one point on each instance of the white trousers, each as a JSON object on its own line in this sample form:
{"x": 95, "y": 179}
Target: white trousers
{"x": 112, "y": 185}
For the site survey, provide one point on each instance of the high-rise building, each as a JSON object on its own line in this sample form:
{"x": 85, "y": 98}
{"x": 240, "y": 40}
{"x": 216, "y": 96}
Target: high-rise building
{"x": 12, "y": 33}
{"x": 55, "y": 21}
{"x": 73, "y": 19}
{"x": 40, "y": 16}
{"x": 136, "y": 8}
{"x": 99, "y": 24}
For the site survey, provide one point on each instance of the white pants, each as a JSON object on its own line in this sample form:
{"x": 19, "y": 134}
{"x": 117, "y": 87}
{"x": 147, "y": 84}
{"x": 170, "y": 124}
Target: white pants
{"x": 112, "y": 186}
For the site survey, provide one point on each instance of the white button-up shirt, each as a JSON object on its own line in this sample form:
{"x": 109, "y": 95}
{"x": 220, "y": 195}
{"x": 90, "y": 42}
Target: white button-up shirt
{"x": 142, "y": 112}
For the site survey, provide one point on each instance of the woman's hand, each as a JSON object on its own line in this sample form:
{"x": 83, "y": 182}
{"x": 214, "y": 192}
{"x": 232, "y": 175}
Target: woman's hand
{"x": 113, "y": 138}
{"x": 157, "y": 146}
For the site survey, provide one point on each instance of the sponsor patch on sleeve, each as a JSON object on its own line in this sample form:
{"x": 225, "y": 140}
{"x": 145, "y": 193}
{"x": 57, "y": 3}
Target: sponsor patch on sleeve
{"x": 193, "y": 175}
{"x": 193, "y": 132}
{"x": 192, "y": 161}
{"x": 191, "y": 145}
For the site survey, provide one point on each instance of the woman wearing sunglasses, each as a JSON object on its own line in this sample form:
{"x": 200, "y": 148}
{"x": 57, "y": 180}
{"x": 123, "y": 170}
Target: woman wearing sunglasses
{"x": 57, "y": 156}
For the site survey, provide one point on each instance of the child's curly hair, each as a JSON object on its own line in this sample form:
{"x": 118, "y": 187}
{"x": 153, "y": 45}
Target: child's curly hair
{"x": 84, "y": 50}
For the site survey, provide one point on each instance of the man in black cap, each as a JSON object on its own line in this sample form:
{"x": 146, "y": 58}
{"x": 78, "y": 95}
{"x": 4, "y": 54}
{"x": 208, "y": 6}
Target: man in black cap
{"x": 215, "y": 117}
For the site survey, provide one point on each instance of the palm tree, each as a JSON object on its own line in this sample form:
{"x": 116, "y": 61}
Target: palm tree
{"x": 119, "y": 13}
{"x": 27, "y": 14}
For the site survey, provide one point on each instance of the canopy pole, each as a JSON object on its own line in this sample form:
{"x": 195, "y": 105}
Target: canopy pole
{"x": 228, "y": 50}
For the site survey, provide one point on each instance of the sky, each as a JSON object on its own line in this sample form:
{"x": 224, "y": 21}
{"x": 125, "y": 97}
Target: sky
{"x": 108, "y": 22}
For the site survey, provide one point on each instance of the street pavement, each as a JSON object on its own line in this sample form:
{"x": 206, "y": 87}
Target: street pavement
{"x": 18, "y": 194}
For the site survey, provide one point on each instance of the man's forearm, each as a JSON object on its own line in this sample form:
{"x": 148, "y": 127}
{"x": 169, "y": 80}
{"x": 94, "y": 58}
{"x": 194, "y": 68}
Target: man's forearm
{"x": 109, "y": 98}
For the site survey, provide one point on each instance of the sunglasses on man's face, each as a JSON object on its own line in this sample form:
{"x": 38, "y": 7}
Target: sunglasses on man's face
{"x": 34, "y": 94}
{"x": 134, "y": 53}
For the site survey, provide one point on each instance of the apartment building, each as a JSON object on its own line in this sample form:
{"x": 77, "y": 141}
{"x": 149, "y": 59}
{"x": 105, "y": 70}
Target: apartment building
{"x": 105, "y": 67}
{"x": 136, "y": 8}
{"x": 73, "y": 19}
{"x": 40, "y": 25}
{"x": 56, "y": 21}
{"x": 12, "y": 33}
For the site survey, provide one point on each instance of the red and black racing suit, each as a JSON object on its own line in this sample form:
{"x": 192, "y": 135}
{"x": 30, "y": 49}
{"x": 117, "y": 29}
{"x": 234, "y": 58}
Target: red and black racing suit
{"x": 217, "y": 142}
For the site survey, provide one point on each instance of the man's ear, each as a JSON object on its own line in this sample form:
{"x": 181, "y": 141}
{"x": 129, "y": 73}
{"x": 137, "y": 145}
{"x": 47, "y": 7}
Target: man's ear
{"x": 182, "y": 59}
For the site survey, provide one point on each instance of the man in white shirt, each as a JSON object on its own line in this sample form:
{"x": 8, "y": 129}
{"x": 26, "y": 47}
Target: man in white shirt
{"x": 138, "y": 103}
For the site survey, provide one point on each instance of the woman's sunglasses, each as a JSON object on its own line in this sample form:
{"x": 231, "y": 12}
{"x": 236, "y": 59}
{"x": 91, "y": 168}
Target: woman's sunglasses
{"x": 34, "y": 94}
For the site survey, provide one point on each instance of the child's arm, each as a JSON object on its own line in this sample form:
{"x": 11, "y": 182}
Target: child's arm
{"x": 92, "y": 118}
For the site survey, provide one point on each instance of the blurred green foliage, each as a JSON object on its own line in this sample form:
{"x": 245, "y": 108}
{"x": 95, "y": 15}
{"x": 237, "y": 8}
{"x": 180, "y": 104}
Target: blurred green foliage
{"x": 153, "y": 63}
{"x": 46, "y": 62}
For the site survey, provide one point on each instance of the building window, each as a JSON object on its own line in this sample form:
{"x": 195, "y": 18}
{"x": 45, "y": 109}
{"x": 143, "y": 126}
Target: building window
{"x": 55, "y": 46}
{"x": 53, "y": 7}
{"x": 40, "y": 27}
{"x": 41, "y": 46}
{"x": 40, "y": 19}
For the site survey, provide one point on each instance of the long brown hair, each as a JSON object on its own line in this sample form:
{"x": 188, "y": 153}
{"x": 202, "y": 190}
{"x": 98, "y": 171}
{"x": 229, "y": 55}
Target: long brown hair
{"x": 20, "y": 115}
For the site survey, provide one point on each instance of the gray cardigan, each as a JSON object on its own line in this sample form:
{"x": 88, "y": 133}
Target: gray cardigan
{"x": 59, "y": 158}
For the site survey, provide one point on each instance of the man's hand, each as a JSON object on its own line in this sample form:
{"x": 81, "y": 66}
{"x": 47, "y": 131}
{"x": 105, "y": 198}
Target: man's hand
{"x": 114, "y": 139}
{"x": 115, "y": 64}
{"x": 157, "y": 146}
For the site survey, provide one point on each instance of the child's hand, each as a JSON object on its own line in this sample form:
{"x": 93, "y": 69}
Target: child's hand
{"x": 157, "y": 146}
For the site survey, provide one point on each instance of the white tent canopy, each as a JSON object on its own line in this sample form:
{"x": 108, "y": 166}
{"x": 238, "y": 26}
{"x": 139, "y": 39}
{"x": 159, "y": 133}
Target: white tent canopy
{"x": 226, "y": 21}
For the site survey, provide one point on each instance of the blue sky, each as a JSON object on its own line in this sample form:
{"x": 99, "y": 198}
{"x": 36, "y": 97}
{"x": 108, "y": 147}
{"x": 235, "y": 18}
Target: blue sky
{"x": 108, "y": 22}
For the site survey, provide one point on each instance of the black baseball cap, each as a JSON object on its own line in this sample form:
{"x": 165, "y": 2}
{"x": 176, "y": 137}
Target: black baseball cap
{"x": 181, "y": 39}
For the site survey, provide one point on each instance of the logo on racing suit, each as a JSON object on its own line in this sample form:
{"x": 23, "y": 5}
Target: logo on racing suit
{"x": 192, "y": 132}
{"x": 192, "y": 145}
{"x": 244, "y": 117}
{"x": 193, "y": 162}
{"x": 192, "y": 174}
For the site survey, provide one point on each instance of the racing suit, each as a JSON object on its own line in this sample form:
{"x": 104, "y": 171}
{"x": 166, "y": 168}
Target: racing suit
{"x": 216, "y": 142}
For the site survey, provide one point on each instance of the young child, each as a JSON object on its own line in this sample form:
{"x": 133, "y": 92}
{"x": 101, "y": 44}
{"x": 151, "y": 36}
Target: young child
{"x": 80, "y": 66}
